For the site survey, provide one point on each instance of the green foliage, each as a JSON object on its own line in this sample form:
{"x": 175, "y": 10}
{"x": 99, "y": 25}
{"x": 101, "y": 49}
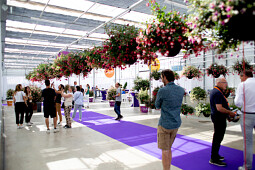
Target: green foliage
{"x": 9, "y": 94}
{"x": 186, "y": 109}
{"x": 192, "y": 71}
{"x": 203, "y": 108}
{"x": 91, "y": 93}
{"x": 36, "y": 93}
{"x": 197, "y": 94}
{"x": 141, "y": 84}
{"x": 143, "y": 96}
{"x": 155, "y": 74}
{"x": 110, "y": 93}
{"x": 125, "y": 85}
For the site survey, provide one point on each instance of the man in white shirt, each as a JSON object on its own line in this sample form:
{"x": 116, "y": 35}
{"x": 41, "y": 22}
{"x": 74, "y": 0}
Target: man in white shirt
{"x": 245, "y": 98}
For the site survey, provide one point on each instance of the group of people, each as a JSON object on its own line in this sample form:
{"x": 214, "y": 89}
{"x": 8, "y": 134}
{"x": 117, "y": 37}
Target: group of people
{"x": 169, "y": 100}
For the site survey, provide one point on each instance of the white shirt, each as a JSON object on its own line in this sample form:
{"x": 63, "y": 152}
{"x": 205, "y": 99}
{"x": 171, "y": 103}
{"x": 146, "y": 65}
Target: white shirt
{"x": 19, "y": 96}
{"x": 68, "y": 100}
{"x": 249, "y": 93}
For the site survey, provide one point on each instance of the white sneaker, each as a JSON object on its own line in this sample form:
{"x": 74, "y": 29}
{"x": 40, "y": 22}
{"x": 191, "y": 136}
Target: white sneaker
{"x": 48, "y": 131}
{"x": 80, "y": 120}
{"x": 29, "y": 124}
{"x": 17, "y": 126}
{"x": 55, "y": 130}
{"x": 21, "y": 126}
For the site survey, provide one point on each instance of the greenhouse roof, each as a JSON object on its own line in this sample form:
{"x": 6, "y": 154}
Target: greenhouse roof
{"x": 37, "y": 30}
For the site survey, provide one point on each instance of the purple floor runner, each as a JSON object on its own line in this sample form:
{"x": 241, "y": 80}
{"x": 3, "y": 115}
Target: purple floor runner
{"x": 188, "y": 153}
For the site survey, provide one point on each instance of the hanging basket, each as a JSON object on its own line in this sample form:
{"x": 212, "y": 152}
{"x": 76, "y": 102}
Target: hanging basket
{"x": 175, "y": 50}
{"x": 241, "y": 26}
{"x": 190, "y": 77}
{"x": 216, "y": 75}
{"x": 130, "y": 61}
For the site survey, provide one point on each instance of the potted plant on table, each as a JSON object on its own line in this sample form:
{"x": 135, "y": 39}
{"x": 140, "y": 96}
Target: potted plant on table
{"x": 203, "y": 108}
{"x": 155, "y": 74}
{"x": 197, "y": 94}
{"x": 216, "y": 70}
{"x": 36, "y": 94}
{"x": 91, "y": 95}
{"x": 141, "y": 84}
{"x": 143, "y": 97}
{"x": 110, "y": 93}
{"x": 9, "y": 97}
{"x": 191, "y": 72}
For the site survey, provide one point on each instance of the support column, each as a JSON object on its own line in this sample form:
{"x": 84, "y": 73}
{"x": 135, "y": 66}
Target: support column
{"x": 213, "y": 59}
{"x": 94, "y": 87}
{"x": 204, "y": 71}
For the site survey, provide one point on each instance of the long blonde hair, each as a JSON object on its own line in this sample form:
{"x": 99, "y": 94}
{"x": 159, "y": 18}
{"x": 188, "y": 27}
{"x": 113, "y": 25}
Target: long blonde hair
{"x": 18, "y": 88}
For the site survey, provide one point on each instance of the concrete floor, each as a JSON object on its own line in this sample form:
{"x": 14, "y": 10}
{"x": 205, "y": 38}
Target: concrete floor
{"x": 31, "y": 148}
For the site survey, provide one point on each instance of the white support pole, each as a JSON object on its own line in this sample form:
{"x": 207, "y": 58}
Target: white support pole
{"x": 94, "y": 87}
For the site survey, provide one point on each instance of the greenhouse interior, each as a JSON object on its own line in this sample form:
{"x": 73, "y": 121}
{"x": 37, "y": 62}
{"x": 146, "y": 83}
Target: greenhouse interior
{"x": 158, "y": 84}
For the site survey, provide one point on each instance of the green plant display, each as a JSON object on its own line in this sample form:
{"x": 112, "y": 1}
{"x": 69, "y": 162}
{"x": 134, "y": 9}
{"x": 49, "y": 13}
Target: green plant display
{"x": 110, "y": 93}
{"x": 36, "y": 94}
{"x": 197, "y": 94}
{"x": 143, "y": 96}
{"x": 125, "y": 85}
{"x": 141, "y": 84}
{"x": 203, "y": 108}
{"x": 91, "y": 93}
{"x": 9, "y": 94}
{"x": 155, "y": 74}
{"x": 186, "y": 109}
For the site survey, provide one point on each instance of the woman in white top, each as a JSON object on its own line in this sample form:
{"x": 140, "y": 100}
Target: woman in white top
{"x": 19, "y": 98}
{"x": 68, "y": 105}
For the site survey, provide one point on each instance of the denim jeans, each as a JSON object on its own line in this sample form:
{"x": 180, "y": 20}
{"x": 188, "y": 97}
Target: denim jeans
{"x": 117, "y": 108}
{"x": 249, "y": 126}
{"x": 76, "y": 106}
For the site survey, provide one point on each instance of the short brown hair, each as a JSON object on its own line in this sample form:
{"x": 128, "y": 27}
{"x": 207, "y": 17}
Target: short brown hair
{"x": 169, "y": 74}
{"x": 248, "y": 73}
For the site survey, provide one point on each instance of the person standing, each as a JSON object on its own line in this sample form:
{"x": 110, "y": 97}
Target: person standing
{"x": 169, "y": 100}
{"x": 28, "y": 106}
{"x": 58, "y": 102}
{"x": 219, "y": 113}
{"x": 78, "y": 101}
{"x": 49, "y": 108}
{"x": 118, "y": 102}
{"x": 19, "y": 99}
{"x": 246, "y": 91}
{"x": 68, "y": 105}
{"x": 87, "y": 94}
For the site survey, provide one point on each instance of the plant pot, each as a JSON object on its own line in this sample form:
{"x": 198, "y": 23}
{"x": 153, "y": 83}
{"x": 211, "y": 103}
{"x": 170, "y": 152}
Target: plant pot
{"x": 130, "y": 61}
{"x": 9, "y": 102}
{"x": 143, "y": 108}
{"x": 39, "y": 106}
{"x": 241, "y": 26}
{"x": 175, "y": 50}
{"x": 111, "y": 102}
{"x": 34, "y": 106}
{"x": 216, "y": 75}
{"x": 206, "y": 114}
{"x": 190, "y": 77}
{"x": 91, "y": 99}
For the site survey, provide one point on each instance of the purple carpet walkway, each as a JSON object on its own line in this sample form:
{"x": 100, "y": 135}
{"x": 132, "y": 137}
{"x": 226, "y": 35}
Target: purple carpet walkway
{"x": 188, "y": 153}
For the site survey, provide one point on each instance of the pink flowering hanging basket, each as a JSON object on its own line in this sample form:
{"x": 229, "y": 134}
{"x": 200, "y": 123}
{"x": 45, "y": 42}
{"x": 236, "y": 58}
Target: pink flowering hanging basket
{"x": 175, "y": 49}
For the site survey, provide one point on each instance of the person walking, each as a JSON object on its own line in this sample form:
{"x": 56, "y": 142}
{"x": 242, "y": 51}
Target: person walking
{"x": 118, "y": 102}
{"x": 169, "y": 100}
{"x": 49, "y": 108}
{"x": 246, "y": 92}
{"x": 78, "y": 101}
{"x": 219, "y": 113}
{"x": 87, "y": 94}
{"x": 19, "y": 98}
{"x": 58, "y": 102}
{"x": 68, "y": 105}
{"x": 28, "y": 106}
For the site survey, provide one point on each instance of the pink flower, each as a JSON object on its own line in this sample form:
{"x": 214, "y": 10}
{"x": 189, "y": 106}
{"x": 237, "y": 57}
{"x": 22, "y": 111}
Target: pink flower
{"x": 148, "y": 4}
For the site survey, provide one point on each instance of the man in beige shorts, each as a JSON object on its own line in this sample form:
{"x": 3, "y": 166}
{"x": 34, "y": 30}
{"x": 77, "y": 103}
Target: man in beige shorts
{"x": 169, "y": 100}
